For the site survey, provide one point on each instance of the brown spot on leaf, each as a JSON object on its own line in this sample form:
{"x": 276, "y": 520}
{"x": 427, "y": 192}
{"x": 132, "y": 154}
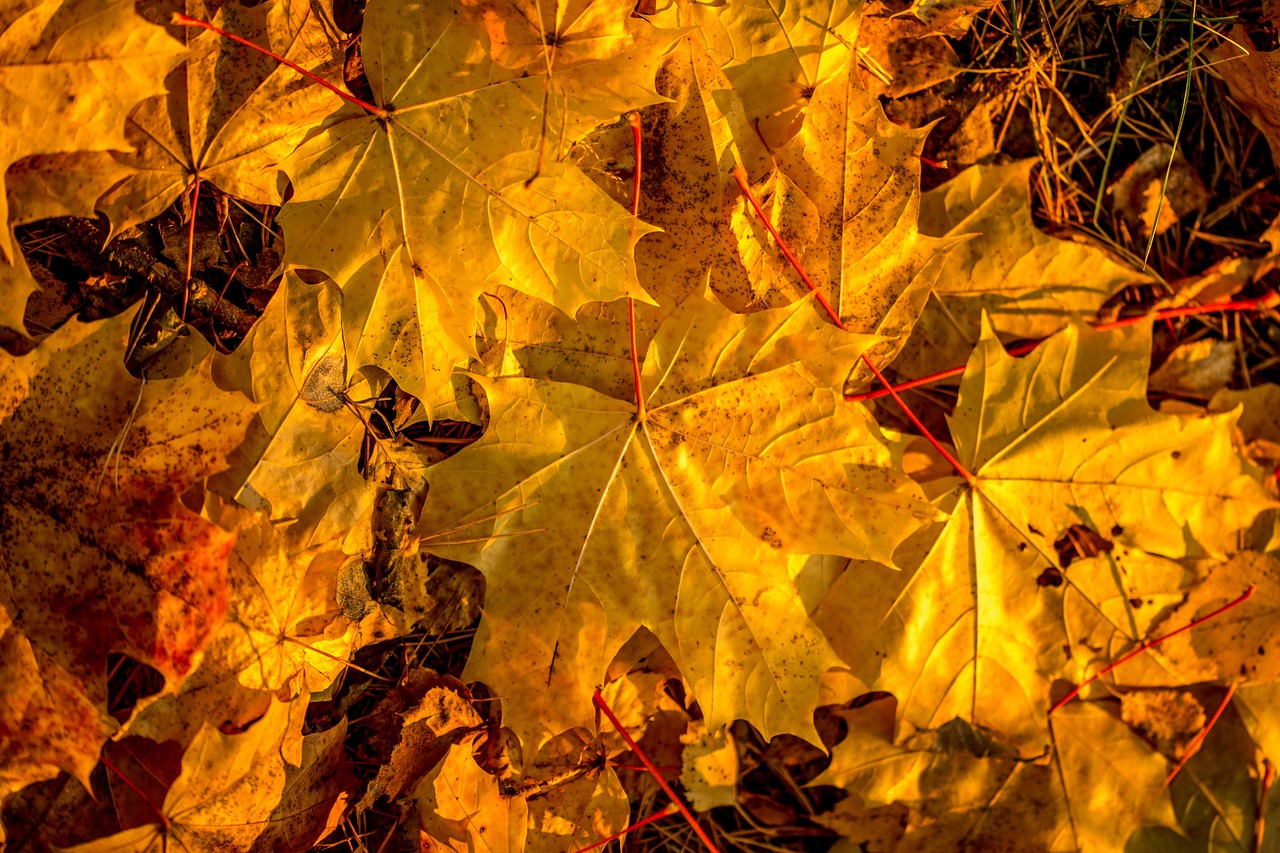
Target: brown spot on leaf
{"x": 1080, "y": 541}
{"x": 1050, "y": 577}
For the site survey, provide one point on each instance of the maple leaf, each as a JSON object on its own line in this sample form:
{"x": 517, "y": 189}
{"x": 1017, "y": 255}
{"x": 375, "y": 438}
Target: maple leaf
{"x": 775, "y": 54}
{"x": 967, "y": 791}
{"x": 1028, "y": 282}
{"x": 100, "y": 555}
{"x": 285, "y": 632}
{"x": 855, "y": 235}
{"x": 284, "y": 615}
{"x": 568, "y": 797}
{"x": 453, "y": 155}
{"x": 299, "y": 457}
{"x": 583, "y": 802}
{"x": 228, "y": 788}
{"x": 589, "y": 521}
{"x": 460, "y": 804}
{"x": 228, "y": 128}
{"x": 701, "y": 133}
{"x": 845, "y": 197}
{"x": 70, "y": 71}
{"x": 1061, "y": 437}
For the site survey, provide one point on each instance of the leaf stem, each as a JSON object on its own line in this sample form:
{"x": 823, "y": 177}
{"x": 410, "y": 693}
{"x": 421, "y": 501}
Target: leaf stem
{"x": 740, "y": 175}
{"x": 1268, "y": 300}
{"x": 600, "y": 703}
{"x": 188, "y": 21}
{"x": 666, "y": 811}
{"x": 1194, "y": 746}
{"x": 1260, "y": 822}
{"x": 164, "y": 820}
{"x": 924, "y": 430}
{"x": 1149, "y": 645}
{"x": 633, "y": 119}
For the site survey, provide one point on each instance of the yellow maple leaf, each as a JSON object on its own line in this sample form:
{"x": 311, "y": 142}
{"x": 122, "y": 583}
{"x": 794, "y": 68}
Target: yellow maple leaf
{"x": 968, "y": 791}
{"x": 452, "y": 167}
{"x": 589, "y": 521}
{"x": 226, "y": 793}
{"x": 228, "y": 129}
{"x": 56, "y": 58}
{"x": 1061, "y": 437}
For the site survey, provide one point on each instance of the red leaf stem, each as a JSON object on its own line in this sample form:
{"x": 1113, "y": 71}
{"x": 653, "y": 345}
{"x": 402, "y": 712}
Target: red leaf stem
{"x": 666, "y": 811}
{"x": 653, "y": 771}
{"x": 163, "y": 820}
{"x": 741, "y": 177}
{"x": 924, "y": 430}
{"x": 1194, "y": 746}
{"x": 188, "y": 21}
{"x": 633, "y": 119}
{"x": 1267, "y": 300}
{"x": 1148, "y": 645}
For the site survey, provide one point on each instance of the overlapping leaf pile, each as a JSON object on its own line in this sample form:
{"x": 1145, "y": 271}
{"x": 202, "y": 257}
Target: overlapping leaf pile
{"x": 683, "y": 498}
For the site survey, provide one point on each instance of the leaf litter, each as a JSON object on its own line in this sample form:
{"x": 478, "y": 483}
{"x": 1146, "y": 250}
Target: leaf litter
{"x": 240, "y": 582}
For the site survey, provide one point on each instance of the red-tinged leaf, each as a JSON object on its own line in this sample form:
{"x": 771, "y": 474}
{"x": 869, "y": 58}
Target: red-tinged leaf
{"x": 100, "y": 555}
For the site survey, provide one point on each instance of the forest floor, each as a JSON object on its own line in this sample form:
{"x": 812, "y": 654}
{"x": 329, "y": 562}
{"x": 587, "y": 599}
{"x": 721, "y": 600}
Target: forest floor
{"x": 1126, "y": 108}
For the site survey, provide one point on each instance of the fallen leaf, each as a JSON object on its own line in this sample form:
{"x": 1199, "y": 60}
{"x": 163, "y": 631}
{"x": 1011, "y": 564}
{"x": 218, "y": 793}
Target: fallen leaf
{"x": 1062, "y": 436}
{"x": 1199, "y": 369}
{"x": 285, "y": 618}
{"x": 966, "y": 791}
{"x": 1157, "y": 190}
{"x": 1260, "y": 415}
{"x": 469, "y": 162}
{"x": 589, "y": 522}
{"x": 315, "y": 795}
{"x": 1237, "y": 645}
{"x": 229, "y": 787}
{"x": 856, "y": 237}
{"x": 101, "y": 555}
{"x": 299, "y": 458}
{"x": 228, "y": 129}
{"x": 902, "y": 55}
{"x": 67, "y": 51}
{"x": 709, "y": 772}
{"x": 1030, "y": 283}
{"x": 443, "y": 709}
{"x": 1251, "y": 75}
{"x": 774, "y": 54}
{"x": 459, "y": 804}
